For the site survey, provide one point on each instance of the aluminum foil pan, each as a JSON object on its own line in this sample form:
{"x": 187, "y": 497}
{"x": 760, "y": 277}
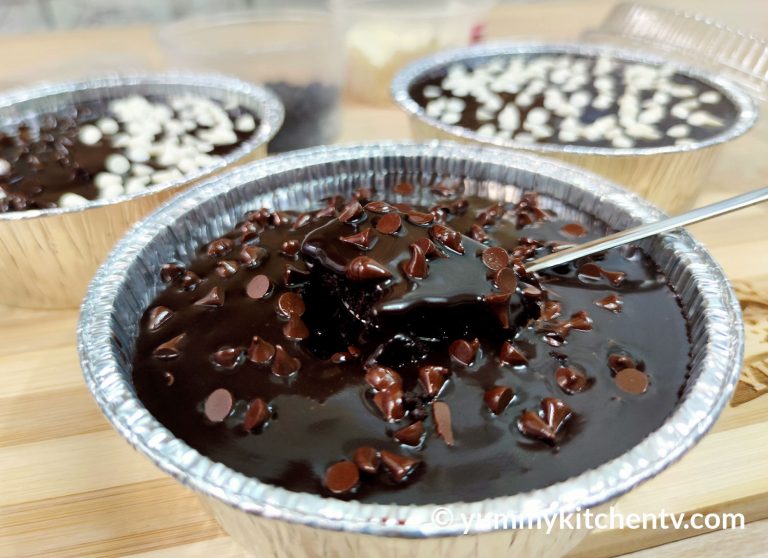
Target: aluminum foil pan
{"x": 669, "y": 176}
{"x": 49, "y": 255}
{"x": 279, "y": 522}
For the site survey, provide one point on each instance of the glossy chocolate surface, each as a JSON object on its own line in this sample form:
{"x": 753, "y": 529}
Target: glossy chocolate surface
{"x": 418, "y": 380}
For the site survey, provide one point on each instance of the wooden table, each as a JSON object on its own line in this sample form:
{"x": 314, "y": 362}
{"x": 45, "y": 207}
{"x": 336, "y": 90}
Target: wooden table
{"x": 70, "y": 486}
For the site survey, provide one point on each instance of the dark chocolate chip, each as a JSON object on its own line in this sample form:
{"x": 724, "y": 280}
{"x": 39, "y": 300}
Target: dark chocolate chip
{"x": 363, "y": 268}
{"x": 445, "y": 190}
{"x": 550, "y": 310}
{"x": 632, "y": 381}
{"x": 464, "y": 352}
{"x": 416, "y": 267}
{"x": 611, "y": 302}
{"x": 363, "y": 239}
{"x": 410, "y": 435}
{"x": 404, "y": 189}
{"x": 379, "y": 207}
{"x": 301, "y": 220}
{"x": 252, "y": 256}
{"x": 399, "y": 467}
{"x": 505, "y": 280}
{"x": 590, "y": 271}
{"x": 432, "y": 379}
{"x": 227, "y": 357}
{"x": 509, "y": 354}
{"x": 283, "y": 364}
{"x": 257, "y": 415}
{"x": 291, "y": 304}
{"x": 295, "y": 329}
{"x": 419, "y": 218}
{"x": 532, "y": 425}
{"x": 351, "y": 212}
{"x": 342, "y": 478}
{"x": 290, "y": 248}
{"x": 575, "y": 230}
{"x": 581, "y": 321}
{"x": 498, "y": 398}
{"x": 328, "y": 211}
{"x": 531, "y": 292}
{"x": 555, "y": 411}
{"x": 227, "y": 268}
{"x": 616, "y": 278}
{"x": 441, "y": 413}
{"x": 220, "y": 247}
{"x": 260, "y": 351}
{"x": 381, "y": 377}
{"x": 429, "y": 248}
{"x": 447, "y": 237}
{"x": 294, "y": 276}
{"x": 172, "y": 272}
{"x": 367, "y": 459}
{"x": 158, "y": 316}
{"x": 168, "y": 377}
{"x": 495, "y": 258}
{"x": 478, "y": 233}
{"x": 389, "y": 401}
{"x": 170, "y": 349}
{"x": 389, "y": 223}
{"x": 617, "y": 362}
{"x": 571, "y": 380}
{"x": 499, "y": 305}
{"x": 258, "y": 287}
{"x": 218, "y": 405}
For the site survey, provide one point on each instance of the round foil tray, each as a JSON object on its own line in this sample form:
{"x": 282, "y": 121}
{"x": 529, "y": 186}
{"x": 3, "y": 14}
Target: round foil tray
{"x": 669, "y": 176}
{"x": 53, "y": 253}
{"x": 273, "y": 519}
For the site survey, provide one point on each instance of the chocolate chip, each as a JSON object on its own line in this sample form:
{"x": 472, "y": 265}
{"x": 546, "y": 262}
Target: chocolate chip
{"x": 617, "y": 362}
{"x": 170, "y": 349}
{"x": 328, "y": 211}
{"x": 168, "y": 377}
{"x": 445, "y": 190}
{"x": 363, "y": 239}
{"x": 258, "y": 287}
{"x": 291, "y": 304}
{"x": 227, "y": 268}
{"x": 379, "y": 207}
{"x": 509, "y": 354}
{"x": 419, "y": 217}
{"x": 260, "y": 216}
{"x": 447, "y": 237}
{"x": 252, "y": 256}
{"x": 363, "y": 268}
{"x": 611, "y": 302}
{"x": 294, "y": 276}
{"x": 389, "y": 223}
{"x": 342, "y": 477}
{"x": 249, "y": 232}
{"x": 632, "y": 381}
{"x": 290, "y": 248}
{"x": 404, "y": 189}
{"x": 410, "y": 435}
{"x": 389, "y": 401}
{"x": 432, "y": 379}
{"x": 351, "y": 212}
{"x": 381, "y": 377}
{"x": 220, "y": 247}
{"x": 278, "y": 218}
{"x": 172, "y": 272}
{"x": 295, "y": 329}
{"x": 302, "y": 220}
{"x": 227, "y": 357}
{"x": 367, "y": 459}
{"x": 260, "y": 351}
{"x": 283, "y": 364}
{"x": 399, "y": 467}
{"x": 581, "y": 321}
{"x": 616, "y": 278}
{"x": 550, "y": 310}
{"x": 218, "y": 405}
{"x": 463, "y": 351}
{"x": 505, "y": 280}
{"x": 590, "y": 271}
{"x": 363, "y": 194}
{"x": 573, "y": 229}
{"x": 555, "y": 413}
{"x": 478, "y": 233}
{"x": 499, "y": 306}
{"x": 158, "y": 316}
{"x": 495, "y": 258}
{"x": 441, "y": 413}
{"x": 429, "y": 248}
{"x": 342, "y": 357}
{"x": 403, "y": 207}
{"x": 498, "y": 398}
{"x": 570, "y": 380}
{"x": 257, "y": 415}
{"x": 531, "y": 292}
{"x": 416, "y": 267}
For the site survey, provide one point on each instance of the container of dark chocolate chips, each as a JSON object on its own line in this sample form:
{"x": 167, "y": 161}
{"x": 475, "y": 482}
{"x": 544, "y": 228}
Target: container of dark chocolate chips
{"x": 401, "y": 371}
{"x": 653, "y": 118}
{"x": 81, "y": 161}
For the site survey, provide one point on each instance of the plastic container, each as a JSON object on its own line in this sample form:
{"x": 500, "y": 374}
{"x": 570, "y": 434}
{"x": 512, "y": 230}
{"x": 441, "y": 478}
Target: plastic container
{"x": 381, "y": 37}
{"x": 294, "y": 52}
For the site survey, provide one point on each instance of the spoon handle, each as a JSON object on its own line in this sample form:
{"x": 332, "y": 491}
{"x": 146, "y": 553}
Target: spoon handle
{"x": 650, "y": 229}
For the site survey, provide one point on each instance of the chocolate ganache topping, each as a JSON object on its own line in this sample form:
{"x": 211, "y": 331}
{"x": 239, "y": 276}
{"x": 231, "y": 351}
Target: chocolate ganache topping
{"x": 399, "y": 352}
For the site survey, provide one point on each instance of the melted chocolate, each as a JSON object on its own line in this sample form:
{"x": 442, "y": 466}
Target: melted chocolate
{"x": 476, "y": 408}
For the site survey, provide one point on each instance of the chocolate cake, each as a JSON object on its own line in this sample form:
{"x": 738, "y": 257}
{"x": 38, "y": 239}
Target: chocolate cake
{"x": 394, "y": 349}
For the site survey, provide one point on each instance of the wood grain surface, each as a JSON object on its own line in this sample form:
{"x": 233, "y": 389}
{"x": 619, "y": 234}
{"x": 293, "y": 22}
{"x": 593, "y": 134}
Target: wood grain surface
{"x": 70, "y": 486}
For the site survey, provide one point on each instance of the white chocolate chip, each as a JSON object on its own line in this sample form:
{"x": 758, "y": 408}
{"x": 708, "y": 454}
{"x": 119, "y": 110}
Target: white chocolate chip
{"x": 117, "y": 164}
{"x": 108, "y": 126}
{"x": 136, "y": 184}
{"x": 451, "y": 117}
{"x": 486, "y": 130}
{"x": 5, "y": 167}
{"x": 89, "y": 135}
{"x": 704, "y": 119}
{"x": 622, "y": 142}
{"x": 139, "y": 169}
{"x": 104, "y": 180}
{"x": 431, "y": 91}
{"x": 678, "y": 131}
{"x": 111, "y": 191}
{"x": 245, "y": 123}
{"x": 710, "y": 97}
{"x": 72, "y": 200}
{"x": 509, "y": 118}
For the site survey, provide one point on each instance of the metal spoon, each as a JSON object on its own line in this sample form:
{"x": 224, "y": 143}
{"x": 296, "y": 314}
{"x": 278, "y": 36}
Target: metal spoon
{"x": 643, "y": 231}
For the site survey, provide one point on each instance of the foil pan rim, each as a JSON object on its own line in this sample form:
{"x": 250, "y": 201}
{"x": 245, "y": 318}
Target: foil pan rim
{"x": 401, "y": 84}
{"x": 269, "y": 110}
{"x": 717, "y": 373}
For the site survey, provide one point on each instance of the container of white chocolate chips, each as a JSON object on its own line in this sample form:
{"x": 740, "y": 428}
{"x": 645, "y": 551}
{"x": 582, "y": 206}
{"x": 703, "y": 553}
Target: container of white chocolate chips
{"x": 644, "y": 121}
{"x": 80, "y": 162}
